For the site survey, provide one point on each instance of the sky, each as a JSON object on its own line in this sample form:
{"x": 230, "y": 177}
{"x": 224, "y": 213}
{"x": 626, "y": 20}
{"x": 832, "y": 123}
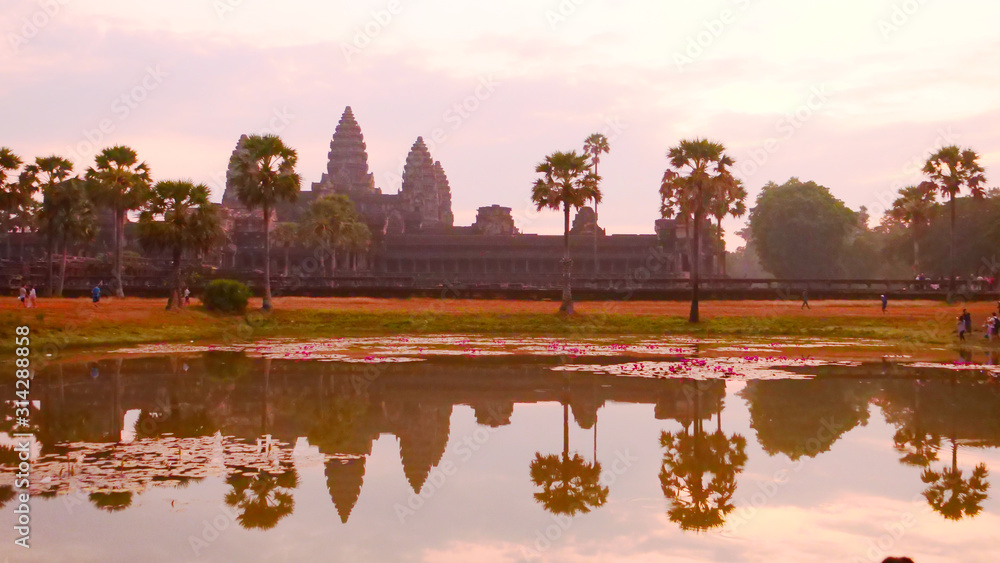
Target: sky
{"x": 853, "y": 94}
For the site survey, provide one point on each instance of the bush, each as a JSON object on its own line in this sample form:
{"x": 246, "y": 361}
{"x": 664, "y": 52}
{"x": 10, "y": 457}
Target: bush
{"x": 226, "y": 296}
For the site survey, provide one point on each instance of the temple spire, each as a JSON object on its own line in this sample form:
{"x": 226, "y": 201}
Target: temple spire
{"x": 344, "y": 478}
{"x": 347, "y": 168}
{"x": 425, "y": 190}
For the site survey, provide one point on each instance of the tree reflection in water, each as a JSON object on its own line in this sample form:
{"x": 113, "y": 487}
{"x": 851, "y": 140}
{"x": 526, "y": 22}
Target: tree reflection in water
{"x": 923, "y": 412}
{"x": 262, "y": 499}
{"x": 698, "y": 476}
{"x": 948, "y": 493}
{"x": 952, "y": 496}
{"x": 112, "y": 502}
{"x": 569, "y": 485}
{"x": 7, "y": 494}
{"x": 805, "y": 417}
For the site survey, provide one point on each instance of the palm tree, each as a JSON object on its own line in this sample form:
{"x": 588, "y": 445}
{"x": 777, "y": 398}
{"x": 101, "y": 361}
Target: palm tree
{"x": 699, "y": 170}
{"x": 595, "y": 145}
{"x": 66, "y": 217}
{"x": 332, "y": 222}
{"x": 286, "y": 235}
{"x": 121, "y": 182}
{"x": 914, "y": 208}
{"x": 356, "y": 240}
{"x": 24, "y": 213}
{"x": 9, "y": 163}
{"x": 731, "y": 200}
{"x": 567, "y": 182}
{"x": 178, "y": 218}
{"x": 950, "y": 169}
{"x": 262, "y": 172}
{"x": 10, "y": 194}
{"x": 45, "y": 173}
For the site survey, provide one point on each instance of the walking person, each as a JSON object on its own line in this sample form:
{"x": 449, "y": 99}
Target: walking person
{"x": 22, "y": 296}
{"x": 996, "y": 327}
{"x": 95, "y": 294}
{"x": 805, "y": 299}
{"x": 187, "y": 296}
{"x": 885, "y": 303}
{"x": 967, "y": 318}
{"x": 32, "y": 297}
{"x": 960, "y": 328}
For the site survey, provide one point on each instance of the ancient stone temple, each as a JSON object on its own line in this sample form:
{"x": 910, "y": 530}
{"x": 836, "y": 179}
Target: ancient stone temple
{"x": 415, "y": 240}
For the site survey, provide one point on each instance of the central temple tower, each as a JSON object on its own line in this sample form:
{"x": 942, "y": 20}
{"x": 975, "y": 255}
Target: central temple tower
{"x": 347, "y": 171}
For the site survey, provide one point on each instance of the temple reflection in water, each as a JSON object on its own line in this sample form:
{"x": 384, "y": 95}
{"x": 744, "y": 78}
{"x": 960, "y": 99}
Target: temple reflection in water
{"x": 110, "y": 430}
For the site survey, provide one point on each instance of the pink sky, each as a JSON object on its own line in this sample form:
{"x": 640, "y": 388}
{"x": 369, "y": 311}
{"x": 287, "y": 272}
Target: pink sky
{"x": 853, "y": 94}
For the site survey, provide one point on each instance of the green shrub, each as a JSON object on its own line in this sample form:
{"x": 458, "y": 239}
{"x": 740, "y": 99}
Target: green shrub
{"x": 226, "y": 296}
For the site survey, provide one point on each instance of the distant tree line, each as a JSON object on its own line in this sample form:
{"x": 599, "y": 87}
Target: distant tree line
{"x": 800, "y": 230}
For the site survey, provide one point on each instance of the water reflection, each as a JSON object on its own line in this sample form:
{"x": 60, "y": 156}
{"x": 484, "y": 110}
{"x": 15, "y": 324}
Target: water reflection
{"x": 926, "y": 411}
{"x": 262, "y": 498}
{"x": 569, "y": 485}
{"x": 806, "y": 417}
{"x": 699, "y": 471}
{"x": 234, "y": 418}
{"x": 112, "y": 502}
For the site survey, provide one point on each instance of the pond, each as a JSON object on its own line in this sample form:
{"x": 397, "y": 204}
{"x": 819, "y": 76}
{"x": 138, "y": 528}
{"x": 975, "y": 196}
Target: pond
{"x": 464, "y": 449}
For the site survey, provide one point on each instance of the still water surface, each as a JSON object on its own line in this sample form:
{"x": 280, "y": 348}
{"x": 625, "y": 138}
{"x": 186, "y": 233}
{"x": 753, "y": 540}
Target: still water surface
{"x": 531, "y": 453}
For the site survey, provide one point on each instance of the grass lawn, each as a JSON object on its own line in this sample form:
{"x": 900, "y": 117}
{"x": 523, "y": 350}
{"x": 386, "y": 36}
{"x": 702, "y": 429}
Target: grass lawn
{"x": 59, "y": 324}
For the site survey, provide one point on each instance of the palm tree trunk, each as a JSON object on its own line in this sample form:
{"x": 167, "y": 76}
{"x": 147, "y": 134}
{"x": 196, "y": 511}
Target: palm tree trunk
{"x": 567, "y": 266}
{"x": 49, "y": 247}
{"x": 697, "y": 408}
{"x": 595, "y": 437}
{"x": 951, "y": 248}
{"x": 916, "y": 252}
{"x": 267, "y": 393}
{"x": 954, "y": 455}
{"x": 695, "y": 268}
{"x": 286, "y": 260}
{"x": 267, "y": 258}
{"x": 566, "y": 430}
{"x": 722, "y": 240}
{"x": 117, "y": 259}
{"x": 595, "y": 229}
{"x": 62, "y": 270}
{"x": 117, "y": 417}
{"x": 175, "y": 281}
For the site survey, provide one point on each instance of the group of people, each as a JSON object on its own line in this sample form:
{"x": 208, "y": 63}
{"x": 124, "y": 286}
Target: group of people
{"x": 992, "y": 325}
{"x": 27, "y": 296}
